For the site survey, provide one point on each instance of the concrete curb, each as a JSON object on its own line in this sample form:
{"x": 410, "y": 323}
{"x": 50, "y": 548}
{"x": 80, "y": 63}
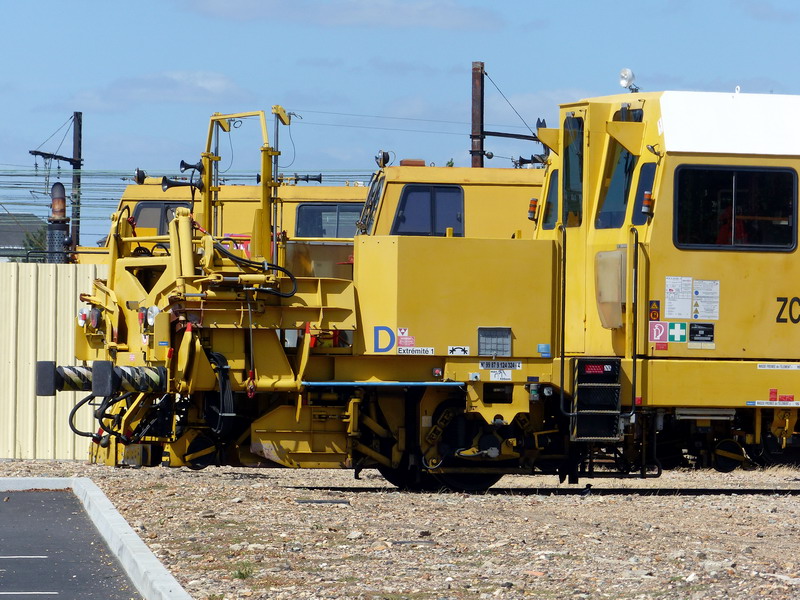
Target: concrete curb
{"x": 148, "y": 575}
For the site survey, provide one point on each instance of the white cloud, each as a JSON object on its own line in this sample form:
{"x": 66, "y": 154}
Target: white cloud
{"x": 764, "y": 10}
{"x": 167, "y": 87}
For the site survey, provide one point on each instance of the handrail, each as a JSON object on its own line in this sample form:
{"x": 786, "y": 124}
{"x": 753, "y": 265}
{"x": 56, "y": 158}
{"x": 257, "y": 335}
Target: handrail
{"x": 634, "y": 319}
{"x": 29, "y": 253}
{"x": 562, "y": 336}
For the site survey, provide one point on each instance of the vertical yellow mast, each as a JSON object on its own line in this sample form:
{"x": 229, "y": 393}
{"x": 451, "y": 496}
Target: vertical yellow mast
{"x": 263, "y": 244}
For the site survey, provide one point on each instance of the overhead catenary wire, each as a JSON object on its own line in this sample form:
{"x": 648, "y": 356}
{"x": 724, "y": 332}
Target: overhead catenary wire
{"x": 385, "y": 128}
{"x": 509, "y": 102}
{"x": 22, "y": 191}
{"x": 68, "y": 121}
{"x": 326, "y": 112}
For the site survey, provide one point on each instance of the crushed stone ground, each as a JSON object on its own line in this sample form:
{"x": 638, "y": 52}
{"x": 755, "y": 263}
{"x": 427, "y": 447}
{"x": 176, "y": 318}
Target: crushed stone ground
{"x": 230, "y": 533}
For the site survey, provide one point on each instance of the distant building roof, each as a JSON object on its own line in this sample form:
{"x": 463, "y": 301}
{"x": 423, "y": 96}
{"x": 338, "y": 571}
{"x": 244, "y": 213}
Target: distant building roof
{"x": 14, "y": 226}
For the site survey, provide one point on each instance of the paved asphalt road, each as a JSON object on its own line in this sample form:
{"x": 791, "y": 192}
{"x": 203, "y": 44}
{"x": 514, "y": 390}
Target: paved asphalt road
{"x": 49, "y": 548}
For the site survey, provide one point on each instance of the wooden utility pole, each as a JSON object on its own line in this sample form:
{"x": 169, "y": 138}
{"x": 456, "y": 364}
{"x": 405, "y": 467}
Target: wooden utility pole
{"x": 76, "y": 162}
{"x": 478, "y": 132}
{"x": 77, "y": 142}
{"x": 477, "y": 114}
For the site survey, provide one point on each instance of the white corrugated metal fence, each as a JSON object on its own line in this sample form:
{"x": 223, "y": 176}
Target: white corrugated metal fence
{"x": 38, "y": 308}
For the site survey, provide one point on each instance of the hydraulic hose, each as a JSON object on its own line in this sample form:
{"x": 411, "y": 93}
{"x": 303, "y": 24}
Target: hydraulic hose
{"x": 100, "y": 415}
{"x": 71, "y": 420}
{"x": 265, "y": 266}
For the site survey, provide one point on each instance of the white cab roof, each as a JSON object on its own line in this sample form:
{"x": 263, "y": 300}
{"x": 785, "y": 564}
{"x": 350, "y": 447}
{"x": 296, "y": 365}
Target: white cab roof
{"x": 721, "y": 123}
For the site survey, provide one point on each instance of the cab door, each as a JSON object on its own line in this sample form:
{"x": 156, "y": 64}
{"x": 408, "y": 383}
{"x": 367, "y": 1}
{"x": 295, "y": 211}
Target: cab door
{"x": 572, "y": 222}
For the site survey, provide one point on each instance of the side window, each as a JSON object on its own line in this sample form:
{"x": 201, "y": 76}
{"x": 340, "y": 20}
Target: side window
{"x": 327, "y": 220}
{"x": 745, "y": 208}
{"x": 429, "y": 210}
{"x": 148, "y": 214}
{"x": 169, "y": 212}
{"x": 647, "y": 176}
{"x": 614, "y": 196}
{"x": 551, "y": 203}
{"x": 156, "y": 215}
{"x": 573, "y": 172}
{"x": 346, "y": 219}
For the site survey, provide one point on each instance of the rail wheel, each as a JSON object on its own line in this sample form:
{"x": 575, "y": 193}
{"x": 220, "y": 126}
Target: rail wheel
{"x": 467, "y": 482}
{"x": 412, "y": 480}
{"x": 728, "y": 454}
{"x": 202, "y": 452}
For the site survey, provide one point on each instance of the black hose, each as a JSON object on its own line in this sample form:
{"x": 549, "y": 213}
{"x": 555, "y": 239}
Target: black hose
{"x": 71, "y": 420}
{"x": 100, "y": 415}
{"x": 124, "y": 208}
{"x": 265, "y": 266}
{"x": 107, "y": 403}
{"x": 224, "y": 414}
{"x": 143, "y": 427}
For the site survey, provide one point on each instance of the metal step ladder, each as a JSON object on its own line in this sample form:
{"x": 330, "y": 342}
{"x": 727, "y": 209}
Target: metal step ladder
{"x": 596, "y": 404}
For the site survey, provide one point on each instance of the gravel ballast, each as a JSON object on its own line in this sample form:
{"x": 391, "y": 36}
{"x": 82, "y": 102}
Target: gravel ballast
{"x": 228, "y": 533}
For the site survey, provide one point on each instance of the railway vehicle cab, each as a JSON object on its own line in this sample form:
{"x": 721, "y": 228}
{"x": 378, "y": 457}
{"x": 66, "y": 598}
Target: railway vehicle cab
{"x": 412, "y": 199}
{"x": 673, "y": 213}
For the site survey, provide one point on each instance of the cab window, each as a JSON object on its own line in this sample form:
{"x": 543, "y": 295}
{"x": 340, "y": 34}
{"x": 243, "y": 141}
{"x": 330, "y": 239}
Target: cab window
{"x": 430, "y": 210}
{"x": 327, "y": 219}
{"x": 573, "y": 172}
{"x": 551, "y": 203}
{"x": 156, "y": 215}
{"x": 735, "y": 208}
{"x": 647, "y": 175}
{"x": 614, "y": 196}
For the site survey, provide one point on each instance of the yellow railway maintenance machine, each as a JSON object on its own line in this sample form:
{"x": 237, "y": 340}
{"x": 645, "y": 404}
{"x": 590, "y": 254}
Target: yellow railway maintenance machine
{"x": 419, "y": 361}
{"x": 642, "y": 318}
{"x": 675, "y": 215}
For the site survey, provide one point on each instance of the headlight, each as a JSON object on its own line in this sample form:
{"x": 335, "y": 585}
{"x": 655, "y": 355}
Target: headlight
{"x": 95, "y": 316}
{"x": 83, "y": 316}
{"x": 152, "y": 313}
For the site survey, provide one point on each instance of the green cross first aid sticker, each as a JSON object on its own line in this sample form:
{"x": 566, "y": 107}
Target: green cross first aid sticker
{"x": 677, "y": 332}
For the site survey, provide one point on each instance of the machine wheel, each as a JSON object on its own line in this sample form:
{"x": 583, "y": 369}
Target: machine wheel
{"x": 467, "y": 482}
{"x": 200, "y": 444}
{"x": 728, "y": 454}
{"x": 407, "y": 479}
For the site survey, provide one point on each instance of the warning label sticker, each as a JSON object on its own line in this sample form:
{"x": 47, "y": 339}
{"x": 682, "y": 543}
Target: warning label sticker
{"x": 658, "y": 331}
{"x": 458, "y": 350}
{"x": 500, "y": 375}
{"x": 500, "y": 364}
{"x": 655, "y": 310}
{"x": 779, "y": 367}
{"x": 773, "y": 403}
{"x": 678, "y": 298}
{"x": 412, "y": 350}
{"x": 705, "y": 299}
{"x": 406, "y": 340}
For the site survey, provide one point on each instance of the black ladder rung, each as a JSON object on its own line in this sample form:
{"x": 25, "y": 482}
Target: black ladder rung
{"x": 599, "y": 385}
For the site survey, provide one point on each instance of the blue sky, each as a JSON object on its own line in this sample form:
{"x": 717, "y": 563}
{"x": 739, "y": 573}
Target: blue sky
{"x": 364, "y": 75}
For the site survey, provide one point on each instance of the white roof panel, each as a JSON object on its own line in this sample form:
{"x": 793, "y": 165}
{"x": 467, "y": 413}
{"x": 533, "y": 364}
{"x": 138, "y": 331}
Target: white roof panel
{"x": 719, "y": 123}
